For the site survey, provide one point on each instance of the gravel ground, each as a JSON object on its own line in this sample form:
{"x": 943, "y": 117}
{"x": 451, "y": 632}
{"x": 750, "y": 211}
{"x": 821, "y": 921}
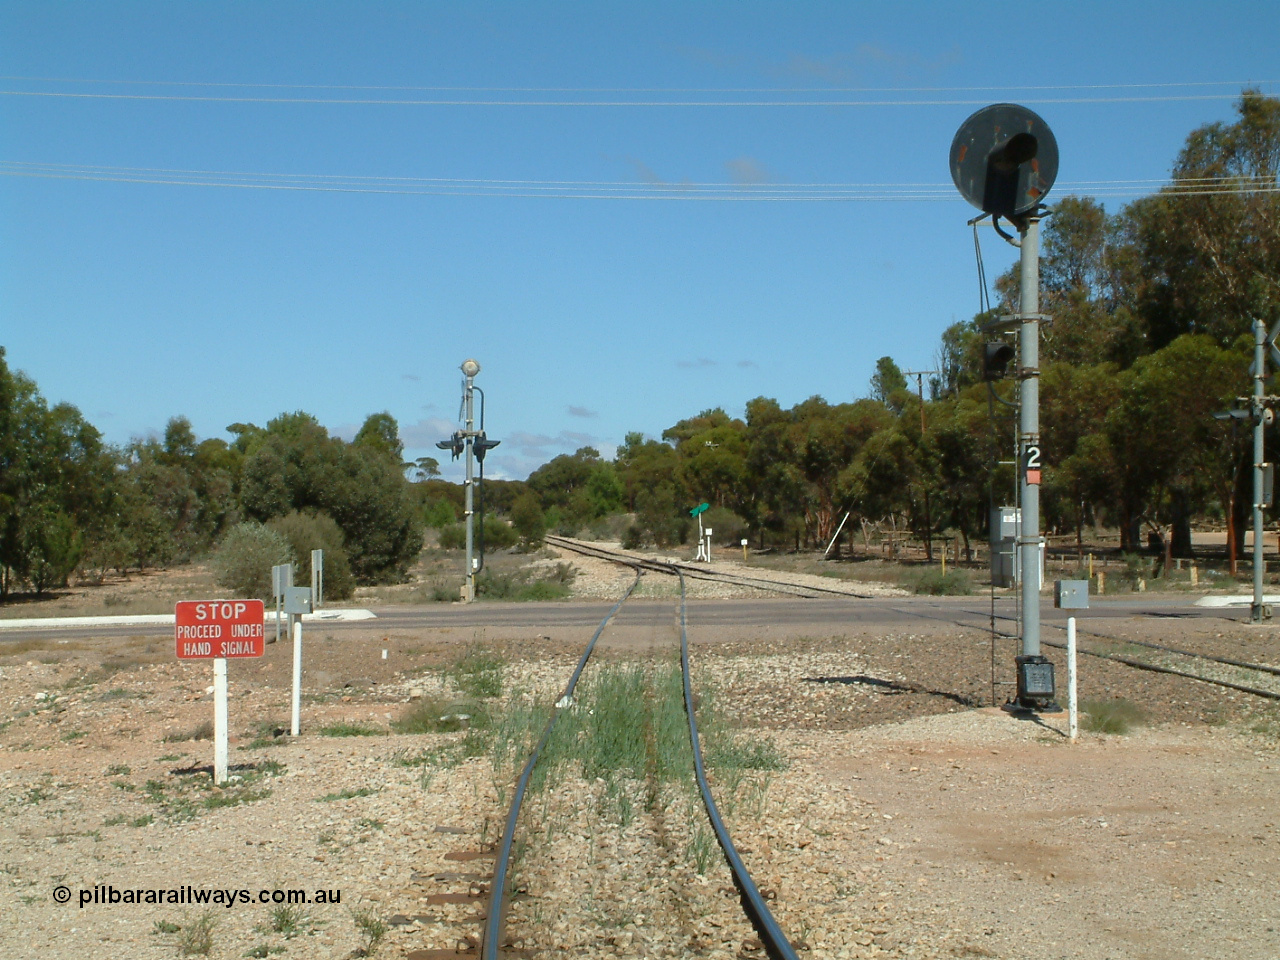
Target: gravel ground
{"x": 912, "y": 818}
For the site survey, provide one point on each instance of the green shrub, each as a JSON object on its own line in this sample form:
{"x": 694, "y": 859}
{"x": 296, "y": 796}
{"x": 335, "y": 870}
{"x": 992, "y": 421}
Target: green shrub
{"x": 438, "y": 514}
{"x": 633, "y": 537}
{"x": 242, "y": 562}
{"x": 1111, "y": 716}
{"x": 954, "y": 583}
{"x": 727, "y": 527}
{"x": 517, "y": 586}
{"x": 541, "y": 590}
{"x": 498, "y": 534}
{"x": 528, "y": 522}
{"x": 453, "y": 537}
{"x": 317, "y": 531}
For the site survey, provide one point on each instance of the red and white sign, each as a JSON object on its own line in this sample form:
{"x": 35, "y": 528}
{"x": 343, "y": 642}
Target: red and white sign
{"x": 217, "y": 629}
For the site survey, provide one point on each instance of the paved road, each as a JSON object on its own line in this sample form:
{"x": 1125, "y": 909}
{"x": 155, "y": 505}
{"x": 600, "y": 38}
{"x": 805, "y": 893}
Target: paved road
{"x": 788, "y": 614}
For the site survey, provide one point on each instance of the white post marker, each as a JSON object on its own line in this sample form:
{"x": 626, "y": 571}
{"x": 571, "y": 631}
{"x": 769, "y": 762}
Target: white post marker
{"x": 1071, "y": 595}
{"x": 317, "y": 578}
{"x": 1073, "y": 713}
{"x": 217, "y": 630}
{"x": 297, "y": 601}
{"x": 220, "y": 737}
{"x": 295, "y": 716}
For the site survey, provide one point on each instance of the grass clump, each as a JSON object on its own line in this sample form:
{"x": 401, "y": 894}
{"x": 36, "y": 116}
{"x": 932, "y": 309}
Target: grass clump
{"x": 346, "y": 795}
{"x": 184, "y": 798}
{"x": 521, "y": 585}
{"x": 345, "y": 729}
{"x": 197, "y": 936}
{"x": 442, "y": 715}
{"x": 262, "y": 950}
{"x": 371, "y": 928}
{"x": 628, "y": 730}
{"x": 1111, "y": 716}
{"x": 202, "y": 731}
{"x": 266, "y": 733}
{"x": 953, "y": 583}
{"x": 286, "y": 920}
{"x": 479, "y": 673}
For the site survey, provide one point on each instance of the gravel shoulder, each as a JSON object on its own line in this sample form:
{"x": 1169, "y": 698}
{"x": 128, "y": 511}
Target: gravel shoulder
{"x": 913, "y": 820}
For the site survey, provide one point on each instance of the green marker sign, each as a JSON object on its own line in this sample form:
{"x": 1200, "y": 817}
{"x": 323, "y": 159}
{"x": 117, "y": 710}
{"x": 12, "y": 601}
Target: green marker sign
{"x": 699, "y": 509}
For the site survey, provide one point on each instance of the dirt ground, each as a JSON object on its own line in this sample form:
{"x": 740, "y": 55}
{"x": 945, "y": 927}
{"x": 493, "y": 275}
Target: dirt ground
{"x": 913, "y": 820}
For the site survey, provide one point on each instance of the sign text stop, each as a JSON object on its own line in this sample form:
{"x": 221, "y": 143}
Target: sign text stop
{"x": 218, "y": 629}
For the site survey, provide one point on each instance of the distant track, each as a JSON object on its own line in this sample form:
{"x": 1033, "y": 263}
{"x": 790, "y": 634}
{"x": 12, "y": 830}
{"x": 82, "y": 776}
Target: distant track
{"x": 702, "y": 573}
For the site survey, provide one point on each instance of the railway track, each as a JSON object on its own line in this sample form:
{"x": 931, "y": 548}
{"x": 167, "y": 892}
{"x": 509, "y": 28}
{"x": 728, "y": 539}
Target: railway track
{"x": 1189, "y": 658}
{"x": 493, "y": 942}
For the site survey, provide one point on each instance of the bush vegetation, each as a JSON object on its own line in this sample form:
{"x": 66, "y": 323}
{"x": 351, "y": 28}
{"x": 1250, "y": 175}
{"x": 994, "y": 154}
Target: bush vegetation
{"x": 1117, "y": 716}
{"x": 1146, "y": 329}
{"x": 307, "y": 531}
{"x": 243, "y": 561}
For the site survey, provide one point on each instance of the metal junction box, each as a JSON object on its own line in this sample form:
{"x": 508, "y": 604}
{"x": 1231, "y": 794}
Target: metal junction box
{"x": 1035, "y": 680}
{"x": 297, "y": 599}
{"x": 1071, "y": 594}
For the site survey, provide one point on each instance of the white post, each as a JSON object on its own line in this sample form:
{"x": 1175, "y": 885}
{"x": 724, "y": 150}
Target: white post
{"x": 317, "y": 578}
{"x": 297, "y": 677}
{"x": 220, "y": 720}
{"x": 1073, "y": 713}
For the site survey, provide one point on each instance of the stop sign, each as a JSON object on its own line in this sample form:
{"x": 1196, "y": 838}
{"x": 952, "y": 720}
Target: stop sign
{"x": 218, "y": 629}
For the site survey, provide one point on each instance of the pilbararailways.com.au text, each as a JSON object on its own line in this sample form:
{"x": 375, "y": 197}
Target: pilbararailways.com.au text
{"x": 109, "y": 894}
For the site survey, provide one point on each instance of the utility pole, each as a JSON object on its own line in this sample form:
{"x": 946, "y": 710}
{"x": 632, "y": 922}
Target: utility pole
{"x": 928, "y": 513}
{"x": 919, "y": 375}
{"x": 1259, "y": 612}
{"x": 1029, "y": 453}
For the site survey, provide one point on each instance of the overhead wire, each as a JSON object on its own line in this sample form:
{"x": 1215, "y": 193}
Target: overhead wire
{"x": 596, "y": 189}
{"x": 1158, "y": 84}
{"x": 702, "y": 104}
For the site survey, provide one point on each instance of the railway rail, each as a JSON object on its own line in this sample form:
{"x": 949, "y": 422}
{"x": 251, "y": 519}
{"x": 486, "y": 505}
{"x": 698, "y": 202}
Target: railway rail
{"x": 772, "y": 940}
{"x": 704, "y": 573}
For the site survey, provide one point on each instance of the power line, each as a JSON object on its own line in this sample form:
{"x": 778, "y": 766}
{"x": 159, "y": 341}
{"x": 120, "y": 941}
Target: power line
{"x": 764, "y": 104}
{"x": 601, "y": 190}
{"x": 530, "y": 89}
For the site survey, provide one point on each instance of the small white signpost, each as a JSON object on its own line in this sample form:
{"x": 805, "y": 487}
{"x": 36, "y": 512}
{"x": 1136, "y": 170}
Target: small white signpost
{"x": 297, "y": 601}
{"x": 317, "y": 578}
{"x": 218, "y": 630}
{"x": 1071, "y": 595}
{"x": 281, "y": 578}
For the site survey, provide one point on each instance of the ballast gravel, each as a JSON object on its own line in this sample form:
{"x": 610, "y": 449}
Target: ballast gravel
{"x": 911, "y": 820}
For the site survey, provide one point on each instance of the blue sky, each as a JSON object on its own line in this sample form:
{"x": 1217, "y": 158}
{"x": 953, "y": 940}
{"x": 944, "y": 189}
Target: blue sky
{"x": 576, "y": 196}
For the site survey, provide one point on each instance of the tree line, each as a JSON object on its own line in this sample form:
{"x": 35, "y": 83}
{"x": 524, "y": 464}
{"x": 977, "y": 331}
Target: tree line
{"x": 69, "y": 501}
{"x": 1150, "y": 335}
